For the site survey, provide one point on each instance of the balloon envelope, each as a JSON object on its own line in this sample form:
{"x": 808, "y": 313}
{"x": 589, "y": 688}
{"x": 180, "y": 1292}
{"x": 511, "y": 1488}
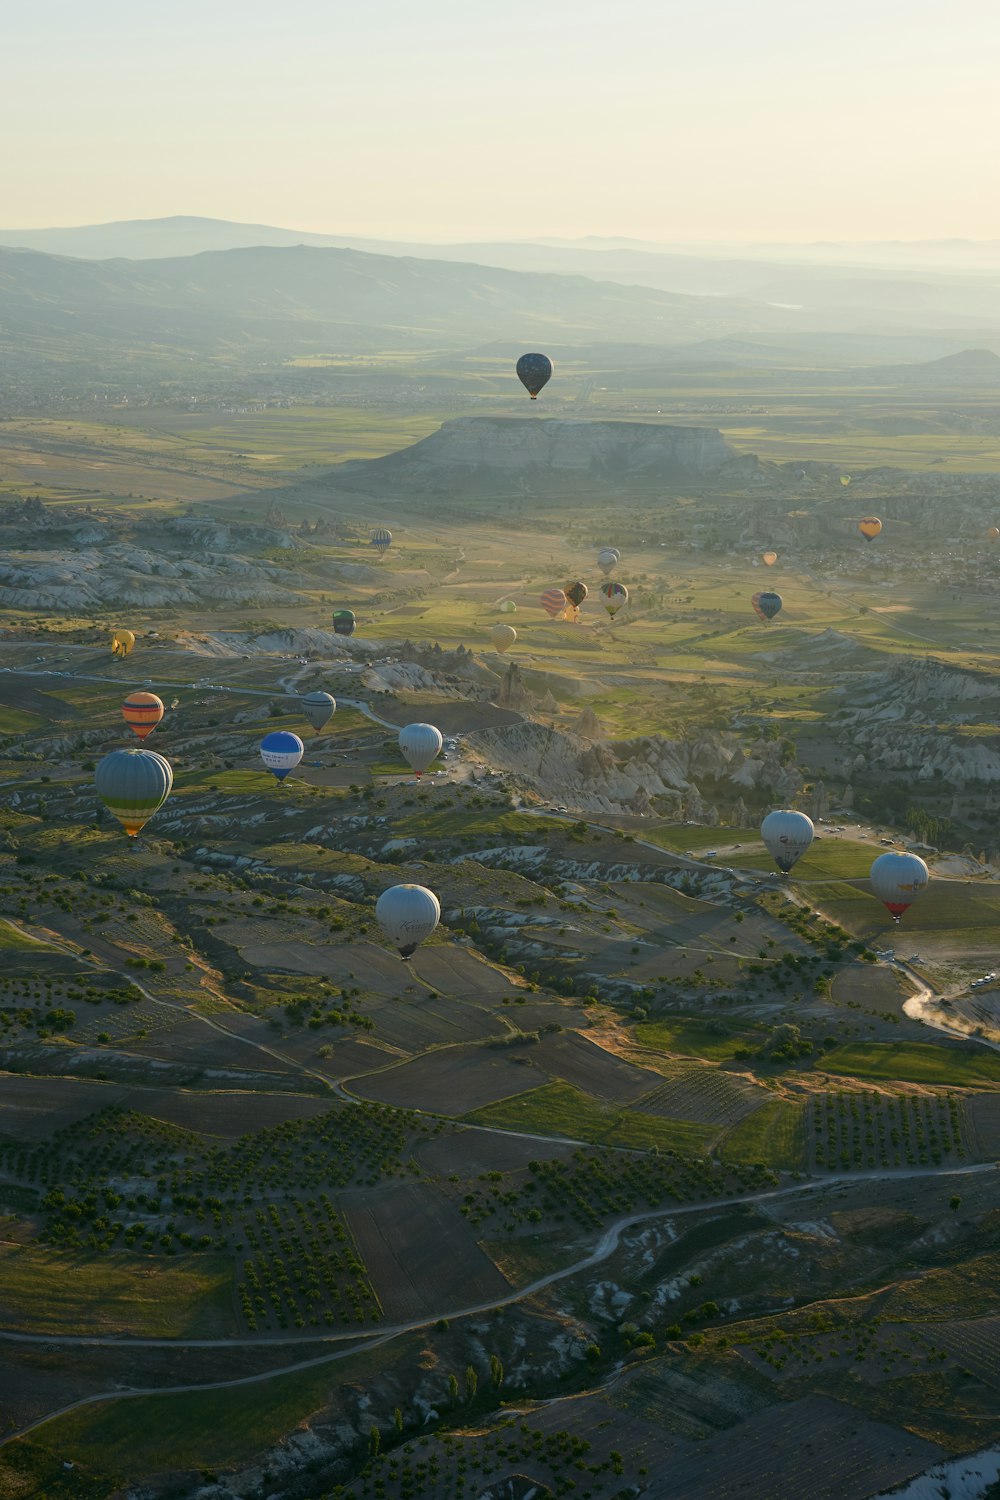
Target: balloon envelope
{"x": 870, "y": 526}
{"x": 770, "y": 558}
{"x": 420, "y": 743}
{"x": 122, "y": 642}
{"x": 534, "y": 371}
{"x": 993, "y": 533}
{"x": 554, "y": 601}
{"x": 755, "y": 606}
{"x": 319, "y": 708}
{"x": 575, "y": 592}
{"x": 281, "y": 752}
{"x": 845, "y": 480}
{"x": 768, "y": 604}
{"x": 508, "y": 607}
{"x": 897, "y": 880}
{"x": 344, "y": 621}
{"x": 381, "y": 539}
{"x": 787, "y": 835}
{"x": 608, "y": 560}
{"x": 407, "y": 915}
{"x": 142, "y": 712}
{"x": 503, "y": 637}
{"x": 614, "y": 595}
{"x": 132, "y": 784}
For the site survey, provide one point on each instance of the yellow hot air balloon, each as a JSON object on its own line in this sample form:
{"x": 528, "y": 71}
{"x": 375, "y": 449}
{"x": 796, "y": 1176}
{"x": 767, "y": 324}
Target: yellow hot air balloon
{"x": 503, "y": 637}
{"x": 770, "y": 558}
{"x": 122, "y": 642}
{"x": 870, "y": 526}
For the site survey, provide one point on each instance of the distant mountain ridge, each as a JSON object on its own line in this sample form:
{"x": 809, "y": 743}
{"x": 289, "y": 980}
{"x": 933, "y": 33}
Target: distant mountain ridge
{"x": 283, "y": 301}
{"x": 835, "y": 287}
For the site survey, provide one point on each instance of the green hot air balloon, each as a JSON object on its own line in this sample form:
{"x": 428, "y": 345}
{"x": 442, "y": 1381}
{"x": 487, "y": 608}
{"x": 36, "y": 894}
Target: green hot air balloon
{"x": 344, "y": 621}
{"x": 133, "y": 784}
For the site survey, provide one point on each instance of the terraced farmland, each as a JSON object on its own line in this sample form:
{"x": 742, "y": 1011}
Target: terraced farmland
{"x": 707, "y": 1096}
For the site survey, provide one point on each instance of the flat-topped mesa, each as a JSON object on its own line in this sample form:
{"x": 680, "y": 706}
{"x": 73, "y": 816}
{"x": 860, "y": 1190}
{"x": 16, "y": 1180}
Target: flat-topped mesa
{"x": 485, "y": 452}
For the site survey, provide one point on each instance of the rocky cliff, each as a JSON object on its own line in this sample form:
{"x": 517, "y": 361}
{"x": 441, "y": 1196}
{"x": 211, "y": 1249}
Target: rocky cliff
{"x": 488, "y": 453}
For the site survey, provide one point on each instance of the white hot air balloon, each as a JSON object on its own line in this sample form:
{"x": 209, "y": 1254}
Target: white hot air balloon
{"x": 608, "y": 559}
{"x": 319, "y": 708}
{"x": 407, "y": 915}
{"x": 787, "y": 835}
{"x": 503, "y": 637}
{"x": 420, "y": 743}
{"x": 897, "y": 880}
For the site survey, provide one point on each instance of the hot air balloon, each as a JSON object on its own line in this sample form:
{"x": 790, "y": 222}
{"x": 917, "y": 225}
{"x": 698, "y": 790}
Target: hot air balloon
{"x": 503, "y": 637}
{"x": 554, "y": 602}
{"x": 845, "y": 480}
{"x": 381, "y": 540}
{"x": 615, "y": 595}
{"x": 768, "y": 604}
{"x": 608, "y": 559}
{"x": 755, "y": 606}
{"x": 787, "y": 835}
{"x": 576, "y": 592}
{"x": 897, "y": 880}
{"x": 994, "y": 533}
{"x": 534, "y": 371}
{"x": 508, "y": 607}
{"x": 344, "y": 621}
{"x": 407, "y": 915}
{"x": 142, "y": 712}
{"x": 281, "y": 752}
{"x": 122, "y": 642}
{"x": 769, "y": 558}
{"x": 870, "y": 526}
{"x": 420, "y": 743}
{"x": 319, "y": 708}
{"x": 133, "y": 784}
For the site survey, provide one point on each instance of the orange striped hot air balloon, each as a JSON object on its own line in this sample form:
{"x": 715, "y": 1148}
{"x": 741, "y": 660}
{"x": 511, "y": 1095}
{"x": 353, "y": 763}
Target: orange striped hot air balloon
{"x": 142, "y": 712}
{"x": 554, "y": 602}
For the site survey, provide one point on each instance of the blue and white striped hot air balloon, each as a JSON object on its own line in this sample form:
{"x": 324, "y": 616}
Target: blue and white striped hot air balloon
{"x": 281, "y": 752}
{"x": 381, "y": 540}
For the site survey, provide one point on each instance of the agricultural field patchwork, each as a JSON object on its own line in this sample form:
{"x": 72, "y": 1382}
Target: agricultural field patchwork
{"x": 649, "y": 1170}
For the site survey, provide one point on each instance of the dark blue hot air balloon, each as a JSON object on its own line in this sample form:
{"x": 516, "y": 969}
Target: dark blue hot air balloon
{"x": 534, "y": 371}
{"x": 381, "y": 539}
{"x": 768, "y": 605}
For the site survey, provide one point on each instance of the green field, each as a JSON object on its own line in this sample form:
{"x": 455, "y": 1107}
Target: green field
{"x": 45, "y": 1291}
{"x": 828, "y": 859}
{"x": 559, "y": 1109}
{"x": 10, "y": 937}
{"x": 679, "y": 837}
{"x": 774, "y": 1134}
{"x": 954, "y": 915}
{"x": 915, "y": 1062}
{"x": 122, "y": 1439}
{"x": 690, "y": 1036}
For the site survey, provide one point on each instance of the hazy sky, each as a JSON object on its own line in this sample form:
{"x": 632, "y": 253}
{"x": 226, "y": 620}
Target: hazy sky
{"x": 440, "y": 119}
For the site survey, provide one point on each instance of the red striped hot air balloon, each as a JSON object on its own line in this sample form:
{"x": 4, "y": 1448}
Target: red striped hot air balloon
{"x": 554, "y": 602}
{"x": 142, "y": 712}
